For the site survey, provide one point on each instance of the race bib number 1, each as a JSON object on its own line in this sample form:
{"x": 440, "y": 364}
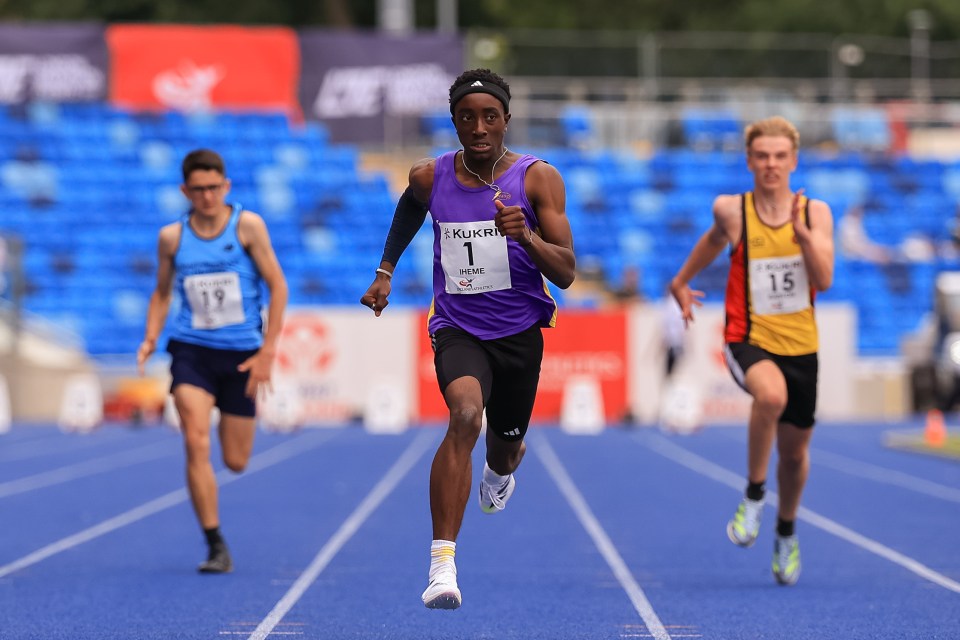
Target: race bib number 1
{"x": 215, "y": 299}
{"x": 779, "y": 285}
{"x": 474, "y": 257}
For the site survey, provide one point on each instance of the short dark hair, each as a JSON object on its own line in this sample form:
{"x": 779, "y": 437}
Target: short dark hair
{"x": 202, "y": 160}
{"x": 483, "y": 75}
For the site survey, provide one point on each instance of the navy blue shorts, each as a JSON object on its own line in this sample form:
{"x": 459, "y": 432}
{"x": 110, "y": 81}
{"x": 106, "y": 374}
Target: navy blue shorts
{"x": 507, "y": 368}
{"x": 215, "y": 371}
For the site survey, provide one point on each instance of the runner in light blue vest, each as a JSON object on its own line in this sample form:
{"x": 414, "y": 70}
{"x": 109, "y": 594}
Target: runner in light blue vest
{"x": 218, "y": 255}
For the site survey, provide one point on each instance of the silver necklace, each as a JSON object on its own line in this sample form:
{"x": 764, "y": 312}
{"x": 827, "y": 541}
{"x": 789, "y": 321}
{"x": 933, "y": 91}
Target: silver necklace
{"x": 498, "y": 193}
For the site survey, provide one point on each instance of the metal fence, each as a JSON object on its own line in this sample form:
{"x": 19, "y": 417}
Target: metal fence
{"x": 637, "y": 86}
{"x": 625, "y": 66}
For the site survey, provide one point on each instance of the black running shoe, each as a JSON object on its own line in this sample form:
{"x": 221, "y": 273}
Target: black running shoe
{"x": 218, "y": 560}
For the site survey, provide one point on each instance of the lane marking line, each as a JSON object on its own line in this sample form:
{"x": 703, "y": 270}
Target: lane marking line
{"x": 600, "y": 538}
{"x": 84, "y": 469}
{"x": 68, "y": 443}
{"x": 705, "y": 467}
{"x": 378, "y": 494}
{"x": 877, "y": 473}
{"x": 258, "y": 462}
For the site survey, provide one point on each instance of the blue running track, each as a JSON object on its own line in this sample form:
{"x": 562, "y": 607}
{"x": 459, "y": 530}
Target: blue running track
{"x": 617, "y": 536}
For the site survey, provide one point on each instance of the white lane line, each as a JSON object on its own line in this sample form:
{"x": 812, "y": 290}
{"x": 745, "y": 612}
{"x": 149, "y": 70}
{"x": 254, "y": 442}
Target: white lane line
{"x": 707, "y": 468}
{"x": 49, "y": 446}
{"x": 349, "y": 527}
{"x": 258, "y": 462}
{"x": 877, "y": 473}
{"x": 600, "y": 538}
{"x": 86, "y": 468}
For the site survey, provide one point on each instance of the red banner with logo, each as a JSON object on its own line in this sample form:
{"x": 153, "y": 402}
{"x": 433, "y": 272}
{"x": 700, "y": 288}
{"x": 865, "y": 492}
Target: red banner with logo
{"x": 193, "y": 68}
{"x": 583, "y": 343}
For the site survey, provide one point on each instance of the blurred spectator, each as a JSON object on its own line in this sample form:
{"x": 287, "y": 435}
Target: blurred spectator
{"x": 918, "y": 247}
{"x": 629, "y": 289}
{"x": 854, "y": 242}
{"x": 674, "y": 332}
{"x": 589, "y": 289}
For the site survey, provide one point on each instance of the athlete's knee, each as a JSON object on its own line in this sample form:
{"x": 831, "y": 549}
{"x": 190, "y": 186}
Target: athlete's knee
{"x": 770, "y": 401}
{"x": 235, "y": 462}
{"x": 466, "y": 420}
{"x": 197, "y": 443}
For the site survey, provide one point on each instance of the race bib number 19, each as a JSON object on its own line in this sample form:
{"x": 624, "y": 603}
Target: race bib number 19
{"x": 215, "y": 299}
{"x": 474, "y": 257}
{"x": 779, "y": 285}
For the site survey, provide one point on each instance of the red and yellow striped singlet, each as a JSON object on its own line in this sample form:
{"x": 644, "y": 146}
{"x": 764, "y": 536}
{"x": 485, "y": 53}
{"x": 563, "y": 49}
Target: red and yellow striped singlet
{"x": 769, "y": 300}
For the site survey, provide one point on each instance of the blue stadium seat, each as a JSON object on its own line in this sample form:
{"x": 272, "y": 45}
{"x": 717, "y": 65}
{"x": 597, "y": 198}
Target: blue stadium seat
{"x": 861, "y": 128}
{"x": 710, "y": 128}
{"x": 117, "y": 176}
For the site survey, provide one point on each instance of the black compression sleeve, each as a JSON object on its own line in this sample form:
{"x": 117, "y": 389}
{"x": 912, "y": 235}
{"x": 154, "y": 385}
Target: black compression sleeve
{"x": 407, "y": 220}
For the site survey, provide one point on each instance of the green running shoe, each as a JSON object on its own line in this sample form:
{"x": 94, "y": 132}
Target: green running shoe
{"x": 745, "y": 525}
{"x": 786, "y": 559}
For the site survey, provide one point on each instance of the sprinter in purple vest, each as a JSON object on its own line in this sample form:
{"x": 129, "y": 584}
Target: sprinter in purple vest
{"x": 499, "y": 229}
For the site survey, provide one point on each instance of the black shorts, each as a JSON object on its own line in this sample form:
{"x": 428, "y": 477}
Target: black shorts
{"x": 214, "y": 370}
{"x": 507, "y": 368}
{"x": 800, "y": 372}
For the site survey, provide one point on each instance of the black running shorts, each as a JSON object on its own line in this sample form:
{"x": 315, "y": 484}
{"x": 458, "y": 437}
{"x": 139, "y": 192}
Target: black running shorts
{"x": 800, "y": 372}
{"x": 507, "y": 368}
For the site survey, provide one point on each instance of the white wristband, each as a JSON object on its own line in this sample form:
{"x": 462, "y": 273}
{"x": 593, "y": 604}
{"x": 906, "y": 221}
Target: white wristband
{"x": 386, "y": 273}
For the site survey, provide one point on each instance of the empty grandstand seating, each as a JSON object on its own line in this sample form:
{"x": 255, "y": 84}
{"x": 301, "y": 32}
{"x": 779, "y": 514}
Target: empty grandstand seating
{"x": 88, "y": 186}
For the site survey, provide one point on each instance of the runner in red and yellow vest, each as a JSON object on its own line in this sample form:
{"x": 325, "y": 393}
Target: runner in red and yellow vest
{"x": 782, "y": 252}
{"x": 769, "y": 301}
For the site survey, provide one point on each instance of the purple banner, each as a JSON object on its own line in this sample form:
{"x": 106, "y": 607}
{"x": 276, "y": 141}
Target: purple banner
{"x": 57, "y": 63}
{"x": 366, "y": 86}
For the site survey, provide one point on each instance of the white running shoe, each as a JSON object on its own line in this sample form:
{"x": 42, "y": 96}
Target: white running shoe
{"x": 494, "y": 499}
{"x": 744, "y": 527}
{"x": 786, "y": 559}
{"x": 442, "y": 592}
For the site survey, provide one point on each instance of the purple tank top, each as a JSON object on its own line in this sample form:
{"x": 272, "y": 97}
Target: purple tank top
{"x": 483, "y": 283}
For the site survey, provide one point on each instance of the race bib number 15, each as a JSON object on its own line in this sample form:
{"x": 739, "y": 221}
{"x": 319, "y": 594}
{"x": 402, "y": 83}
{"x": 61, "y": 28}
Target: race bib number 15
{"x": 779, "y": 285}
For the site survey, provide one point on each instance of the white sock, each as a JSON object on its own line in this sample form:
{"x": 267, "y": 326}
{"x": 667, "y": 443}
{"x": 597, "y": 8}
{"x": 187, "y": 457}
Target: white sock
{"x": 493, "y": 478}
{"x": 442, "y": 557}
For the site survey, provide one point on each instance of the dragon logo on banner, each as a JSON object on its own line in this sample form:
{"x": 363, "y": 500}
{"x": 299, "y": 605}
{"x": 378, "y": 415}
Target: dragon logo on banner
{"x": 188, "y": 87}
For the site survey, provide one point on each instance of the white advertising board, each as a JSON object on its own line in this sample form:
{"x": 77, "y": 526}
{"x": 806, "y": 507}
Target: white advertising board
{"x": 334, "y": 357}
